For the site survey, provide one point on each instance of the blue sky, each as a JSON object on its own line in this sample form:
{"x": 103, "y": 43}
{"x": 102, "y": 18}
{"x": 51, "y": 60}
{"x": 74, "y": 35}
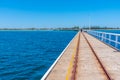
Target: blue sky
{"x": 59, "y": 13}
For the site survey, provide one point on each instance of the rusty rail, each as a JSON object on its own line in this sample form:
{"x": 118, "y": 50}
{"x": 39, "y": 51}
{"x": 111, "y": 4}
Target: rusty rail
{"x": 54, "y": 64}
{"x": 74, "y": 71}
{"x": 99, "y": 61}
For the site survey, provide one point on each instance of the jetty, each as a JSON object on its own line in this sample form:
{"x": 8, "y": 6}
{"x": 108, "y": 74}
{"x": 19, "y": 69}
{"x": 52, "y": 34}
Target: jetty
{"x": 85, "y": 58}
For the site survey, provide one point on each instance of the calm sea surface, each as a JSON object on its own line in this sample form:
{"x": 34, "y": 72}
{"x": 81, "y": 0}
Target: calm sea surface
{"x": 110, "y": 31}
{"x": 27, "y": 55}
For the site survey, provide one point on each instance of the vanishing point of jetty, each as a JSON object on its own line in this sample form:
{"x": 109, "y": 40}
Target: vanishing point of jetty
{"x": 86, "y": 58}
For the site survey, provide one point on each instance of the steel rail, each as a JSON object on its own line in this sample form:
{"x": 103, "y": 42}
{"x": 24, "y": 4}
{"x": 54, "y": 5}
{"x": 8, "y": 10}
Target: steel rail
{"x": 74, "y": 70}
{"x": 99, "y": 61}
{"x": 53, "y": 65}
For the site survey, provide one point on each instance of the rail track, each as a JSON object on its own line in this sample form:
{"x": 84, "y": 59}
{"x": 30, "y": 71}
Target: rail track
{"x": 76, "y": 70}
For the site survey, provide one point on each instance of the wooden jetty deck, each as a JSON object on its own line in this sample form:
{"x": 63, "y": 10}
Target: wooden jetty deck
{"x": 86, "y": 58}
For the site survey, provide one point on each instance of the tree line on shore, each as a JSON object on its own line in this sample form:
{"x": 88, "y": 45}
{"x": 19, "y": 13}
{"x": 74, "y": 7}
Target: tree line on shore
{"x": 63, "y": 28}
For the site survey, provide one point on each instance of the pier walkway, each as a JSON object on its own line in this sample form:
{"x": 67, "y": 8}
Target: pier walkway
{"x": 86, "y": 58}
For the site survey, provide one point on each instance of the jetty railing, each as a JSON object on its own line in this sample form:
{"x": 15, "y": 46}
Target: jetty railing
{"x": 111, "y": 39}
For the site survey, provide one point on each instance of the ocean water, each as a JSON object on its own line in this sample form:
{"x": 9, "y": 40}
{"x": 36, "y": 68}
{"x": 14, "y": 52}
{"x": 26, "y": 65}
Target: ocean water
{"x": 27, "y": 55}
{"x": 113, "y": 44}
{"x": 111, "y": 31}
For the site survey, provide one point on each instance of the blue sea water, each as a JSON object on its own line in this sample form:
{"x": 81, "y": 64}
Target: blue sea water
{"x": 111, "y": 31}
{"x": 27, "y": 55}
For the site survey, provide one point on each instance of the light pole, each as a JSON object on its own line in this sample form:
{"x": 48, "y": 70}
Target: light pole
{"x": 89, "y": 22}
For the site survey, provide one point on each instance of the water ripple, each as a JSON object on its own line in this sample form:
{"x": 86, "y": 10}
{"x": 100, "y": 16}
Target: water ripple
{"x": 26, "y": 55}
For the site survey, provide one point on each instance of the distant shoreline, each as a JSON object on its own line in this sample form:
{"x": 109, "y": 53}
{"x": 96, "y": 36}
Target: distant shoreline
{"x": 56, "y": 29}
{"x": 39, "y": 29}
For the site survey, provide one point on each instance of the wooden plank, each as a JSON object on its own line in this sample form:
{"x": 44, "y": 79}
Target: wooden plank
{"x": 59, "y": 72}
{"x": 109, "y": 57}
{"x": 88, "y": 66}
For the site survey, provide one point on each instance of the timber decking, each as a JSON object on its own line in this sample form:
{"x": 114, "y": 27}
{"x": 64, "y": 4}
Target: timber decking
{"x": 96, "y": 61}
